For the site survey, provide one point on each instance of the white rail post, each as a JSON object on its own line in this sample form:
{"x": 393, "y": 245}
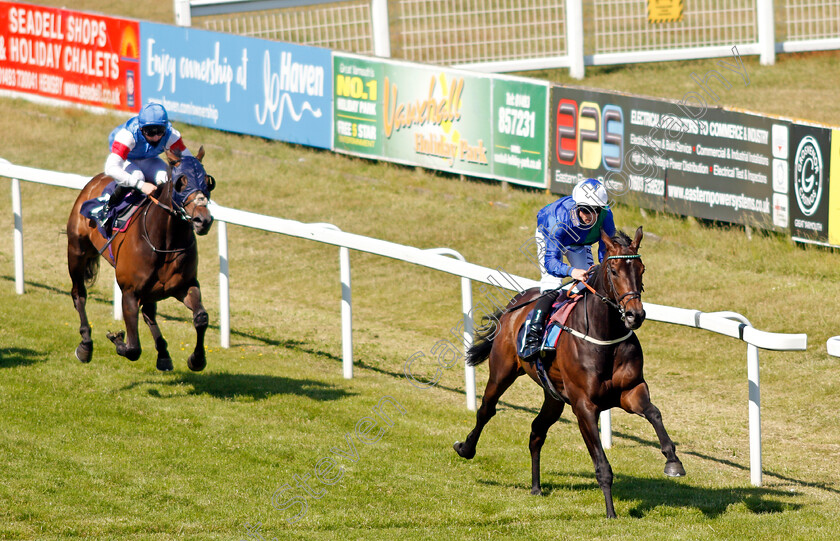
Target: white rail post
{"x": 755, "y": 415}
{"x": 346, "y": 306}
{"x": 17, "y": 209}
{"x": 606, "y": 429}
{"x": 466, "y": 308}
{"x": 469, "y": 371}
{"x": 346, "y": 314}
{"x": 574, "y": 38}
{"x": 118, "y": 313}
{"x": 381, "y": 32}
{"x": 224, "y": 287}
{"x": 754, "y": 393}
{"x": 766, "y": 32}
{"x": 183, "y": 16}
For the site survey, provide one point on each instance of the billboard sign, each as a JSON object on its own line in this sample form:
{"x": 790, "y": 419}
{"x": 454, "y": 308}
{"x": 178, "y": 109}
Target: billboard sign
{"x": 70, "y": 56}
{"x": 810, "y": 163}
{"x": 233, "y": 83}
{"x": 708, "y": 163}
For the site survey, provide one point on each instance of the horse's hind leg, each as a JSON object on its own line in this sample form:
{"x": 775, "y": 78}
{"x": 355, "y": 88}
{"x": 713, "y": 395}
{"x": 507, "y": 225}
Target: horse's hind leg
{"x": 503, "y": 372}
{"x": 548, "y": 415}
{"x": 130, "y": 348}
{"x": 78, "y": 262}
{"x": 638, "y": 401}
{"x": 164, "y": 361}
{"x": 192, "y": 300}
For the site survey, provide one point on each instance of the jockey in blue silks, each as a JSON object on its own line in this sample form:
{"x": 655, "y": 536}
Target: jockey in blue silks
{"x": 134, "y": 161}
{"x": 567, "y": 228}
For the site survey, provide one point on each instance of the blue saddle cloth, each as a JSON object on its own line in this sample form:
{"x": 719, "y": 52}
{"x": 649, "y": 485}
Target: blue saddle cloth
{"x": 94, "y": 208}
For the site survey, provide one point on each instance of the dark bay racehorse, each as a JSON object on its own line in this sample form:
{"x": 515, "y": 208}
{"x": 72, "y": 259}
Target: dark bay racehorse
{"x": 155, "y": 258}
{"x": 592, "y": 374}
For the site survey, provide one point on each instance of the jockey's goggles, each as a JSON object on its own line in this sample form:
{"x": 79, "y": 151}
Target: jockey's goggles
{"x": 153, "y": 131}
{"x": 586, "y": 209}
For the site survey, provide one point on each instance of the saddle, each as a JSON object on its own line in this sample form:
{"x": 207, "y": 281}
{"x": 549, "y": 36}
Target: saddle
{"x": 120, "y": 215}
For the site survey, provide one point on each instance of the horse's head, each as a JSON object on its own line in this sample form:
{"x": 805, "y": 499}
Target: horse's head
{"x": 191, "y": 189}
{"x": 622, "y": 268}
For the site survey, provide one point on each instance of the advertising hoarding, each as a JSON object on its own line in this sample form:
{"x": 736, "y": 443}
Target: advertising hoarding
{"x": 810, "y": 163}
{"x": 356, "y": 105}
{"x": 709, "y": 163}
{"x": 520, "y": 110}
{"x": 70, "y": 56}
{"x": 444, "y": 119}
{"x": 245, "y": 85}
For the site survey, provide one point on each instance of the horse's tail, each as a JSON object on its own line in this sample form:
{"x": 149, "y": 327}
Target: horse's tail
{"x": 91, "y": 271}
{"x": 483, "y": 343}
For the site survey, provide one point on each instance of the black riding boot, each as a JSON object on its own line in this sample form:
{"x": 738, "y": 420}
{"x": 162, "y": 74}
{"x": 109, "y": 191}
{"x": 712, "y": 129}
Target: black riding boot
{"x": 534, "y": 333}
{"x": 116, "y": 197}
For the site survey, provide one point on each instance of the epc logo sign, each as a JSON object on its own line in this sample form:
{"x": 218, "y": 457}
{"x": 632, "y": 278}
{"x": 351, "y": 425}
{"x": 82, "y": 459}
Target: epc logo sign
{"x": 589, "y": 137}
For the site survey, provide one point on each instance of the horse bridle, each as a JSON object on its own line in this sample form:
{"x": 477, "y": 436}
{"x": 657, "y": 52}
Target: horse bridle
{"x": 177, "y": 211}
{"x": 620, "y": 303}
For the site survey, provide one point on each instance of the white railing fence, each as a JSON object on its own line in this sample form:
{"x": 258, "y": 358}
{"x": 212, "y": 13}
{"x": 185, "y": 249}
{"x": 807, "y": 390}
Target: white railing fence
{"x": 833, "y": 346}
{"x": 494, "y": 36}
{"x": 725, "y": 323}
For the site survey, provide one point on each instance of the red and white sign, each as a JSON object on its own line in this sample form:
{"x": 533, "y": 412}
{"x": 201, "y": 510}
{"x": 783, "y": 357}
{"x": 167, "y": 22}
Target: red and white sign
{"x": 70, "y": 55}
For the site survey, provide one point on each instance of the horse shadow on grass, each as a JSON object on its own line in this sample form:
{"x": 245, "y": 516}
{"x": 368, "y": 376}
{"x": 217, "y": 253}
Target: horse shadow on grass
{"x": 10, "y": 357}
{"x": 645, "y": 494}
{"x": 227, "y": 386}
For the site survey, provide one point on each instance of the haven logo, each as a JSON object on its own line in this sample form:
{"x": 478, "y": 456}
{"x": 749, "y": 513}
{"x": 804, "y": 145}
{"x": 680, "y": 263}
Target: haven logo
{"x": 808, "y": 175}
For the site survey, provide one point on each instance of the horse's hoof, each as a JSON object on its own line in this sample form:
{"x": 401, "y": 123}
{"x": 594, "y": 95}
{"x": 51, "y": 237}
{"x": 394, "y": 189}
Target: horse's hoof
{"x": 164, "y": 364}
{"x": 536, "y": 491}
{"x": 115, "y": 337}
{"x": 674, "y": 469}
{"x": 459, "y": 448}
{"x": 195, "y": 364}
{"x": 84, "y": 351}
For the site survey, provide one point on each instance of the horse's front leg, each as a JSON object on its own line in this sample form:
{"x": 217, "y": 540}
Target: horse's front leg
{"x": 130, "y": 348}
{"x": 192, "y": 300}
{"x": 164, "y": 361}
{"x": 587, "y": 415}
{"x": 637, "y": 400}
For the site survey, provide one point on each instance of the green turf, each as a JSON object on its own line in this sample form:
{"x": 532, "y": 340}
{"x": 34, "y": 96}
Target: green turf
{"x": 116, "y": 450}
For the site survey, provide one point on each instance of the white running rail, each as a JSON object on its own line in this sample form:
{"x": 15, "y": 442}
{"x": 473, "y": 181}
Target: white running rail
{"x": 725, "y": 323}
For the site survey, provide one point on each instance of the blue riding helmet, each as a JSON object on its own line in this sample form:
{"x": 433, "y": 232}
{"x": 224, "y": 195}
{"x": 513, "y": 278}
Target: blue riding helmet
{"x": 153, "y": 114}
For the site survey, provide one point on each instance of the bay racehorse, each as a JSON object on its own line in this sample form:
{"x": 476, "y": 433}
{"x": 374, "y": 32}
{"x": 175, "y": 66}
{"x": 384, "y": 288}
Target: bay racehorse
{"x": 154, "y": 258}
{"x": 598, "y": 363}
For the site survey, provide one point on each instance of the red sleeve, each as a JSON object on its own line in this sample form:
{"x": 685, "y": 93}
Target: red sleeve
{"x": 120, "y": 150}
{"x": 178, "y": 146}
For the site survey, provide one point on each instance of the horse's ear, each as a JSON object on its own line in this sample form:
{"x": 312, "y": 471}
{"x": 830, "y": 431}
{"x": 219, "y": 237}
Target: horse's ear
{"x": 172, "y": 156}
{"x": 200, "y": 154}
{"x": 607, "y": 240}
{"x": 638, "y": 240}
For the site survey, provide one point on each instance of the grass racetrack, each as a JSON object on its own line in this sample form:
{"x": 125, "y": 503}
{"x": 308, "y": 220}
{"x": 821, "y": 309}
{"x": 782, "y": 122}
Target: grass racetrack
{"x": 116, "y": 450}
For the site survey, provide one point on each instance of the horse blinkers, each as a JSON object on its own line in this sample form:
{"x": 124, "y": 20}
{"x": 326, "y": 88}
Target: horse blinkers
{"x": 195, "y": 203}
